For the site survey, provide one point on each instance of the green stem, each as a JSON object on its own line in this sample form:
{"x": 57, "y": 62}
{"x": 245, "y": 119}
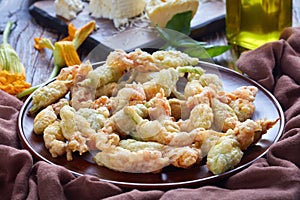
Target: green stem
{"x": 30, "y": 90}
{"x": 54, "y": 72}
{"x": 27, "y": 92}
{"x": 133, "y": 115}
{"x": 7, "y": 32}
{"x": 194, "y": 70}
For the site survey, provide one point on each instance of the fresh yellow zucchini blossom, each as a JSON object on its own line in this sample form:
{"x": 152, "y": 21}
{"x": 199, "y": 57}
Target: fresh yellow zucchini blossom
{"x": 12, "y": 71}
{"x": 65, "y": 50}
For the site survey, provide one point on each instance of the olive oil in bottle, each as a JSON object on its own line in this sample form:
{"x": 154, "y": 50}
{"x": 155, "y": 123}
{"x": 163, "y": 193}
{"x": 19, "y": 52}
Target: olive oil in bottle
{"x": 252, "y": 23}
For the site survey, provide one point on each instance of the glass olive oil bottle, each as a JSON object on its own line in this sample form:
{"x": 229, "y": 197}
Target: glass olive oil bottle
{"x": 252, "y": 23}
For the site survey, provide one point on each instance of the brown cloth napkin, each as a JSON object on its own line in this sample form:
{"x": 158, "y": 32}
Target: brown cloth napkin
{"x": 276, "y": 176}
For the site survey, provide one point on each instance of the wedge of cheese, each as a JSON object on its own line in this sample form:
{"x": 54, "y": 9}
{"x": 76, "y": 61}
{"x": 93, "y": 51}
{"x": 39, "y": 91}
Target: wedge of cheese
{"x": 162, "y": 11}
{"x": 68, "y": 9}
{"x": 117, "y": 10}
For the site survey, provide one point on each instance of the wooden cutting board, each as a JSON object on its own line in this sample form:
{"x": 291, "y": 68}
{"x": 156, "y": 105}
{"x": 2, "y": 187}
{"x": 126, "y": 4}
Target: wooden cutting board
{"x": 209, "y": 17}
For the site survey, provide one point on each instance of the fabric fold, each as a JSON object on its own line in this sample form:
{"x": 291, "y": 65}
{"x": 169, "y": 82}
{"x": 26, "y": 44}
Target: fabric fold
{"x": 15, "y": 169}
{"x": 74, "y": 189}
{"x": 9, "y": 111}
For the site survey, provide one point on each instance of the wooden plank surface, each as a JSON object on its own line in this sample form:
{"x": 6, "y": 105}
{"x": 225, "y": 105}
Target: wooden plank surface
{"x": 208, "y": 18}
{"x": 38, "y": 65}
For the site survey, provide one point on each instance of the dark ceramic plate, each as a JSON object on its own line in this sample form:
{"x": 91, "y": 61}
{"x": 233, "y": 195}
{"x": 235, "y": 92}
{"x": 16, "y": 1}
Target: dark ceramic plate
{"x": 267, "y": 107}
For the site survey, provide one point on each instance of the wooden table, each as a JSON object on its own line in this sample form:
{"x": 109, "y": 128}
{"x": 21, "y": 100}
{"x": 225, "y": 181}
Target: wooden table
{"x": 39, "y": 64}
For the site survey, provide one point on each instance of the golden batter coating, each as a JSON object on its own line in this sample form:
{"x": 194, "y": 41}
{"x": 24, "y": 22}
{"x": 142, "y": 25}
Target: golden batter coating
{"x": 141, "y": 112}
{"x": 49, "y": 94}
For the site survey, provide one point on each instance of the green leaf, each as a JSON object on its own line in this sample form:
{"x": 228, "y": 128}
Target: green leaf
{"x": 163, "y": 34}
{"x": 179, "y": 41}
{"x": 216, "y": 50}
{"x": 188, "y": 42}
{"x": 181, "y": 22}
{"x": 176, "y": 39}
{"x": 198, "y": 52}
